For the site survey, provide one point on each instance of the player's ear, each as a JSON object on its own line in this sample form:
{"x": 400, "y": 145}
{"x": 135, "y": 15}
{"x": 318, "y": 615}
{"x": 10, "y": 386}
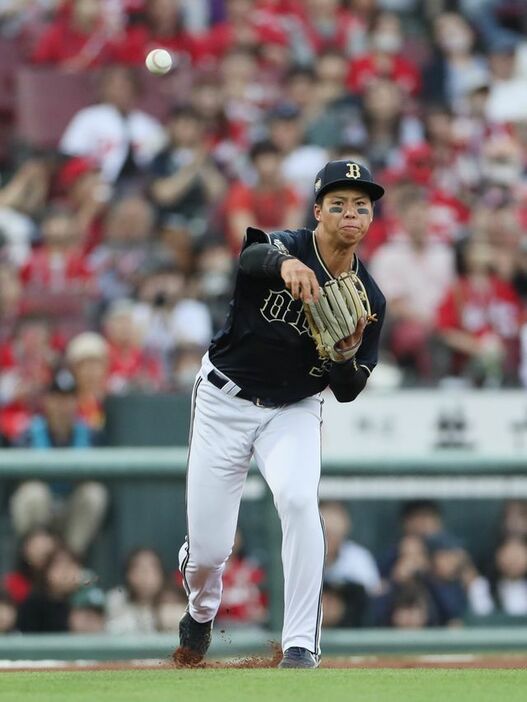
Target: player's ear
{"x": 317, "y": 208}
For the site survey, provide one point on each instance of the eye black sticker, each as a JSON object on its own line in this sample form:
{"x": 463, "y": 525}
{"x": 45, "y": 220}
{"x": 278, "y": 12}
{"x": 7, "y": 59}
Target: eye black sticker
{"x": 336, "y": 209}
{"x": 363, "y": 210}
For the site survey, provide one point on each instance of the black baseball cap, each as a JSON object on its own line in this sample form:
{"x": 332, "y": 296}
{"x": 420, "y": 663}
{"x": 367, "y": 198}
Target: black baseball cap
{"x": 348, "y": 173}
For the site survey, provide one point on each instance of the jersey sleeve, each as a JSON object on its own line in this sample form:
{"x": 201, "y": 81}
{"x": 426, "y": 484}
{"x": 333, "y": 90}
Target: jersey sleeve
{"x": 368, "y": 353}
{"x": 284, "y": 241}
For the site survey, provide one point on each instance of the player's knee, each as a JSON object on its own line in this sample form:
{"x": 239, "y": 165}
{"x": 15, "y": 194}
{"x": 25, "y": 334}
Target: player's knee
{"x": 292, "y": 502}
{"x": 209, "y": 559}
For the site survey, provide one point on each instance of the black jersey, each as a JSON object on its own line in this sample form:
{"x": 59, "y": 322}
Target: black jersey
{"x": 265, "y": 346}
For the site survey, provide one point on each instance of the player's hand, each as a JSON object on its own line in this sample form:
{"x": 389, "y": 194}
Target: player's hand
{"x": 300, "y": 280}
{"x": 356, "y": 338}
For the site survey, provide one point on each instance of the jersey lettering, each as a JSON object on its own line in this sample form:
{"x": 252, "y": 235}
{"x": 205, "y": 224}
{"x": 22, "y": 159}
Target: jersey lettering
{"x": 278, "y": 307}
{"x": 353, "y": 170}
{"x": 321, "y": 368}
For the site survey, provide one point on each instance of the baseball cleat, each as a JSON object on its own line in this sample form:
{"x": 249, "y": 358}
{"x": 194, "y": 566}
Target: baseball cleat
{"x": 194, "y": 638}
{"x": 297, "y": 657}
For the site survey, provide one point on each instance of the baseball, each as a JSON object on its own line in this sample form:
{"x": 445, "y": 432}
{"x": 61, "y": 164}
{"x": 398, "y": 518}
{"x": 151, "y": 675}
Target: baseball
{"x": 159, "y": 61}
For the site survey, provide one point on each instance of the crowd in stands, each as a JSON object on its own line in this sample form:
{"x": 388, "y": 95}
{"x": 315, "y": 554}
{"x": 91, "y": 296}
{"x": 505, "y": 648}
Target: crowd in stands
{"x": 118, "y": 243}
{"x": 425, "y": 578}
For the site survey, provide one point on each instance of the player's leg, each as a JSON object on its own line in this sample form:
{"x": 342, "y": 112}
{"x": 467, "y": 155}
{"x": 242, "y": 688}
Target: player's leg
{"x": 288, "y": 454}
{"x": 220, "y": 449}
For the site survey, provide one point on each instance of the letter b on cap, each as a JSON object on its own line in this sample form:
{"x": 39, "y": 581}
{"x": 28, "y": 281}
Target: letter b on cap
{"x": 353, "y": 170}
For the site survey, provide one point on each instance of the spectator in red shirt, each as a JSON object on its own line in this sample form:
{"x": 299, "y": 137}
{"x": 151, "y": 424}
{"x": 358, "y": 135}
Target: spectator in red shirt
{"x": 327, "y": 24}
{"x": 243, "y": 27}
{"x": 26, "y": 363}
{"x": 479, "y": 320}
{"x": 162, "y": 27}
{"x": 80, "y": 183}
{"x": 131, "y": 367}
{"x": 385, "y": 58}
{"x": 269, "y": 204}
{"x": 243, "y": 601}
{"x": 58, "y": 266}
{"x": 77, "y": 39}
{"x": 34, "y": 550}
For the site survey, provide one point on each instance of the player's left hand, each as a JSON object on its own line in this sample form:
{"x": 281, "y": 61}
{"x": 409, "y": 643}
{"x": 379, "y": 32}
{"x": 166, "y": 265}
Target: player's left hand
{"x": 356, "y": 338}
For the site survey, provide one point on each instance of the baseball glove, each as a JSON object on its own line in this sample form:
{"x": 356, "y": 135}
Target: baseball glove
{"x": 342, "y": 302}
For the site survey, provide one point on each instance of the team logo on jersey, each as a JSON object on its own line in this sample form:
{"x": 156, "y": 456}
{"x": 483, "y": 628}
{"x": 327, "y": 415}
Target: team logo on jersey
{"x": 280, "y": 306}
{"x": 280, "y": 246}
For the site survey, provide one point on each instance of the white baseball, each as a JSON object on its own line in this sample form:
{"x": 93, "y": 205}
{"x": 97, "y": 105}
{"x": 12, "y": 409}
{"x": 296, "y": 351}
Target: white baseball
{"x": 159, "y": 61}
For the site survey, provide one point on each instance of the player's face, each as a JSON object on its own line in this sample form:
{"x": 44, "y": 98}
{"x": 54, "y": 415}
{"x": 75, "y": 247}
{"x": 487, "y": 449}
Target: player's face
{"x": 345, "y": 216}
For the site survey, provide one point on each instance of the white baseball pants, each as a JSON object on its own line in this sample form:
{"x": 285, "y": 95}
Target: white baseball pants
{"x": 225, "y": 433}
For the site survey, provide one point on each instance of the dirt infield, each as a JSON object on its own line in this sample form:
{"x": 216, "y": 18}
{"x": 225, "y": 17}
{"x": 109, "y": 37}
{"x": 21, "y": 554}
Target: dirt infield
{"x": 441, "y": 661}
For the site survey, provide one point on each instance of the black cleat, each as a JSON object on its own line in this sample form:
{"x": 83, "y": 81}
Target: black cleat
{"x": 194, "y": 638}
{"x": 297, "y": 657}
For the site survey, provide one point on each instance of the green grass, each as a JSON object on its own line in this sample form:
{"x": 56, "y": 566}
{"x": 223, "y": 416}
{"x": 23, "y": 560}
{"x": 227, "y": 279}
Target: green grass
{"x": 273, "y": 685}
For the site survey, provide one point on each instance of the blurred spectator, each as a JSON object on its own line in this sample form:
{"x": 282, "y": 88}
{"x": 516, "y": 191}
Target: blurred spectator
{"x": 243, "y": 27}
{"x": 510, "y": 580}
{"x": 388, "y": 128}
{"x": 346, "y": 560}
{"x": 34, "y": 551}
{"x": 87, "y": 358}
{"x": 58, "y": 265}
{"x": 87, "y": 611}
{"x": 514, "y": 519}
{"x": 160, "y": 26}
{"x": 171, "y": 606}
{"x": 413, "y": 299}
{"x": 126, "y": 247}
{"x": 185, "y": 365}
{"x": 328, "y": 24}
{"x": 47, "y": 608}
{"x": 269, "y": 204}
{"x": 214, "y": 280}
{"x": 121, "y": 138}
{"x": 478, "y": 321}
{"x": 81, "y": 188}
{"x": 166, "y": 316}
{"x": 78, "y": 37}
{"x": 418, "y": 519}
{"x": 131, "y": 608}
{"x": 186, "y": 180}
{"x": 455, "y": 585}
{"x": 385, "y": 58}
{"x": 344, "y": 605}
{"x": 411, "y": 608}
{"x": 243, "y": 600}
{"x": 300, "y": 160}
{"x": 77, "y": 512}
{"x": 330, "y": 112}
{"x": 506, "y": 101}
{"x": 10, "y": 300}
{"x": 223, "y": 135}
{"x": 455, "y": 68}
{"x": 132, "y": 366}
{"x": 21, "y": 200}
{"x": 7, "y": 614}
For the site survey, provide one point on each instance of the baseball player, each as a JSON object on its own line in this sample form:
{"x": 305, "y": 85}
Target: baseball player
{"x": 305, "y": 314}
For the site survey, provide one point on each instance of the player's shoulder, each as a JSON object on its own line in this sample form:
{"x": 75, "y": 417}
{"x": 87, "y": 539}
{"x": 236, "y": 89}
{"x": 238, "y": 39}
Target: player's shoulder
{"x": 288, "y": 241}
{"x": 377, "y": 298}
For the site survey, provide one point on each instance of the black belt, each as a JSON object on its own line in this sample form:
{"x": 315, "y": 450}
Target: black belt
{"x": 216, "y": 379}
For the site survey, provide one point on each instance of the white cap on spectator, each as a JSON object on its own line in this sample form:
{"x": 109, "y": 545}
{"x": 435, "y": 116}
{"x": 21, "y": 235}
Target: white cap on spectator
{"x": 86, "y": 345}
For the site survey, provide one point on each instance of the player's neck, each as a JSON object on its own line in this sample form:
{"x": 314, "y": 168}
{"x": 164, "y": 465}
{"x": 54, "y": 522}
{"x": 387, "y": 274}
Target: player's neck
{"x": 337, "y": 259}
